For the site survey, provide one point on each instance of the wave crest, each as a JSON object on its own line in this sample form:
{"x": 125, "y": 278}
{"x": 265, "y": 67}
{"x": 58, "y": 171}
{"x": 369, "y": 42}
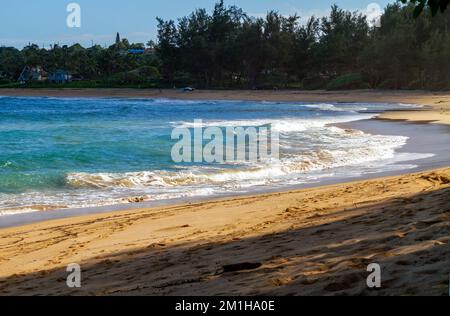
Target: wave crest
{"x": 355, "y": 148}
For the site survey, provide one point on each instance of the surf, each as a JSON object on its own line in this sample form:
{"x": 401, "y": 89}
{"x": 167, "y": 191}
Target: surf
{"x": 87, "y": 152}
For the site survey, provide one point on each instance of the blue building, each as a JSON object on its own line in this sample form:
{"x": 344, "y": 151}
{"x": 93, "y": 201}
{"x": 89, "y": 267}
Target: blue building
{"x": 60, "y": 76}
{"x": 136, "y": 51}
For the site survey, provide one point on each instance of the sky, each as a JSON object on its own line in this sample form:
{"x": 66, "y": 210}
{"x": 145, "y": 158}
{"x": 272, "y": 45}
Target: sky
{"x": 43, "y": 22}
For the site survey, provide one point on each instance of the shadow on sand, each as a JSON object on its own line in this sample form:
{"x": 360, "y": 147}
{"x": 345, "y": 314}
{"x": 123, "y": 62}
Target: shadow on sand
{"x": 408, "y": 237}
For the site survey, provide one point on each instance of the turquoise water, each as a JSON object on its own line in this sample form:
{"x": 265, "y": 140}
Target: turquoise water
{"x": 58, "y": 153}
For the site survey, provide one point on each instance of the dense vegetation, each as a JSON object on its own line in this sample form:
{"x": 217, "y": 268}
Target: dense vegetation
{"x": 434, "y": 5}
{"x": 229, "y": 49}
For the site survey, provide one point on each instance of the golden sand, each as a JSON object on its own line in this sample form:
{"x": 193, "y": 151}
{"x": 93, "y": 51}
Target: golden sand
{"x": 312, "y": 241}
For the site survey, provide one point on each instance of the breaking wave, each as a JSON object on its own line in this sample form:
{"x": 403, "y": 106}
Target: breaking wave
{"x": 353, "y": 148}
{"x": 312, "y": 147}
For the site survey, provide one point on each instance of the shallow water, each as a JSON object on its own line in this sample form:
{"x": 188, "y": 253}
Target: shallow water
{"x": 69, "y": 153}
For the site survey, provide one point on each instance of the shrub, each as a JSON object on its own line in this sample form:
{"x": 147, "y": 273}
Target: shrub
{"x": 348, "y": 81}
{"x": 313, "y": 81}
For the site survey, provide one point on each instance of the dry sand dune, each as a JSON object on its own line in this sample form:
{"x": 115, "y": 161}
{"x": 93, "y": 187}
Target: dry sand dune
{"x": 313, "y": 241}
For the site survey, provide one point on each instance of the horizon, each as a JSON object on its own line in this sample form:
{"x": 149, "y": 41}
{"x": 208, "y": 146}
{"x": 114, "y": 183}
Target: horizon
{"x": 100, "y": 21}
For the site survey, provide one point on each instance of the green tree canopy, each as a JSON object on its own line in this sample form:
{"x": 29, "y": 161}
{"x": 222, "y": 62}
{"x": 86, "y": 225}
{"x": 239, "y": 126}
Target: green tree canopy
{"x": 434, "y": 5}
{"x": 227, "y": 48}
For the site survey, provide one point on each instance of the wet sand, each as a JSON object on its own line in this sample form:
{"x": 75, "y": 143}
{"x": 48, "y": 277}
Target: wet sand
{"x": 309, "y": 242}
{"x": 432, "y": 139}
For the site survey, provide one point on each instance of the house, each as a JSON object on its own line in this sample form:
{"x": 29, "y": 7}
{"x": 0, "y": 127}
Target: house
{"x": 60, "y": 76}
{"x": 136, "y": 51}
{"x": 32, "y": 74}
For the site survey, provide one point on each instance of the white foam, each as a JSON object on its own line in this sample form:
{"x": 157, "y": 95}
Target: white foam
{"x": 345, "y": 148}
{"x": 312, "y": 149}
{"x": 334, "y": 108}
{"x": 280, "y": 125}
{"x": 17, "y": 211}
{"x": 6, "y": 164}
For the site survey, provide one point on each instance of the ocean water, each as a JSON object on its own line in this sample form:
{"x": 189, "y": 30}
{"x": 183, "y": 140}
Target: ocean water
{"x": 58, "y": 153}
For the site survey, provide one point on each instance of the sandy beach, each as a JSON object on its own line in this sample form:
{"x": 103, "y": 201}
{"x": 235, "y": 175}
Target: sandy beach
{"x": 316, "y": 241}
{"x": 225, "y": 156}
{"x": 309, "y": 242}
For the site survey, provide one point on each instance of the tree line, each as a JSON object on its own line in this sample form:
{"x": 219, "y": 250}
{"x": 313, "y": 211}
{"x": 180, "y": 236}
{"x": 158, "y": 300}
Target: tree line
{"x": 227, "y": 48}
{"x": 107, "y": 66}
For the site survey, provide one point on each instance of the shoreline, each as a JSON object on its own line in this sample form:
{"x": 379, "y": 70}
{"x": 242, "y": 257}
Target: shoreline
{"x": 306, "y": 242}
{"x": 312, "y": 241}
{"x": 438, "y": 103}
{"x": 424, "y": 143}
{"x": 393, "y": 96}
{"x": 425, "y": 98}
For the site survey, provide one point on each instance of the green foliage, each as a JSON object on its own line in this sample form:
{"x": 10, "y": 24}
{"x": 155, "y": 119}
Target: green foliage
{"x": 226, "y": 48}
{"x": 348, "y": 81}
{"x": 140, "y": 76}
{"x": 434, "y": 5}
{"x": 315, "y": 81}
{"x": 113, "y": 64}
{"x": 229, "y": 49}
